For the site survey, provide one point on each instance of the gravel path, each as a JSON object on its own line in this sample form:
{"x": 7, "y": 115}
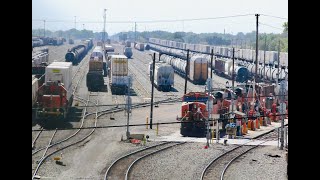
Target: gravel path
{"x": 258, "y": 165}
{"x": 179, "y": 163}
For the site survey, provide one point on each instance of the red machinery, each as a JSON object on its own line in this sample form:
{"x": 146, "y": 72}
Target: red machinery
{"x": 54, "y": 97}
{"x": 194, "y": 114}
{"x": 52, "y": 100}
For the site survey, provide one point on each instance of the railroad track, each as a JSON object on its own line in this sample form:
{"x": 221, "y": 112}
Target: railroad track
{"x": 61, "y": 147}
{"x": 219, "y": 165}
{"x": 35, "y": 139}
{"x": 76, "y": 82}
{"x": 121, "y": 168}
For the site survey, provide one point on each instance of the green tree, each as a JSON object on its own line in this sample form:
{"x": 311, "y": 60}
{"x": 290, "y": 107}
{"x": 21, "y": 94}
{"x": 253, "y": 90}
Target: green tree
{"x": 285, "y": 26}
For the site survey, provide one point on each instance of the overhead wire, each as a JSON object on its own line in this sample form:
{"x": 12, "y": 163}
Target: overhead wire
{"x": 270, "y": 26}
{"x": 144, "y": 124}
{"x": 274, "y": 16}
{"x": 149, "y": 21}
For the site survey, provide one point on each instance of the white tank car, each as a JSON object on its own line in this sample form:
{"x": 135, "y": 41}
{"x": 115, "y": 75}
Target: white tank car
{"x": 34, "y": 89}
{"x": 119, "y": 79}
{"x": 198, "y": 71}
{"x": 271, "y": 74}
{"x": 283, "y": 59}
{"x": 163, "y": 76}
{"x": 139, "y": 46}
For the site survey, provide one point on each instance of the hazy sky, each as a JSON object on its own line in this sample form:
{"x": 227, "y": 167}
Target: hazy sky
{"x": 89, "y": 15}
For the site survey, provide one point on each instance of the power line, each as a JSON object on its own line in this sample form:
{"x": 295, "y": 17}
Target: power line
{"x": 270, "y": 26}
{"x": 274, "y": 16}
{"x": 145, "y": 124}
{"x": 151, "y": 21}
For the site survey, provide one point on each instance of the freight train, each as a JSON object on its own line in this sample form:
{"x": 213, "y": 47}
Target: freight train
{"x": 163, "y": 76}
{"x": 108, "y": 49}
{"x": 139, "y": 46}
{"x": 224, "y": 68}
{"x": 266, "y": 72}
{"x": 127, "y": 51}
{"x": 194, "y": 114}
{"x": 97, "y": 70}
{"x": 54, "y": 97}
{"x": 57, "y": 41}
{"x": 267, "y": 75}
{"x": 247, "y": 55}
{"x": 76, "y": 54}
{"x": 197, "y": 71}
{"x": 119, "y": 79}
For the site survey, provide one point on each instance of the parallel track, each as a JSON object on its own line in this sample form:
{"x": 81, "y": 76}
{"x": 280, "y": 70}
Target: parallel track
{"x": 218, "y": 166}
{"x": 121, "y": 167}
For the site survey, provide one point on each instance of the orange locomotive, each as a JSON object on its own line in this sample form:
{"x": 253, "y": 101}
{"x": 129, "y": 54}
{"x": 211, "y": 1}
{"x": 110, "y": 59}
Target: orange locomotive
{"x": 194, "y": 114}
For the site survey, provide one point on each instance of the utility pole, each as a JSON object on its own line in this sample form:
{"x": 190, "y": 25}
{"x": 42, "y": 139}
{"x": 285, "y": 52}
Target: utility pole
{"x": 152, "y": 87}
{"x": 209, "y": 108}
{"x": 278, "y": 73}
{"x": 211, "y": 63}
{"x": 104, "y": 26}
{"x": 279, "y": 60}
{"x": 264, "y": 57}
{"x": 44, "y": 28}
{"x": 129, "y": 103}
{"x": 83, "y": 26}
{"x": 75, "y": 22}
{"x": 135, "y": 31}
{"x": 282, "y": 111}
{"x": 257, "y": 37}
{"x": 187, "y": 72}
{"x": 232, "y": 81}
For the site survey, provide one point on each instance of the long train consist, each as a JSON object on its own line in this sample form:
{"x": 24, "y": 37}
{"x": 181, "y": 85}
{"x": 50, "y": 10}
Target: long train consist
{"x": 198, "y": 67}
{"x": 247, "y": 55}
{"x": 76, "y": 53}
{"x": 97, "y": 69}
{"x": 119, "y": 79}
{"x": 163, "y": 76}
{"x": 43, "y": 41}
{"x": 54, "y": 96}
{"x": 266, "y": 72}
{"x": 240, "y": 66}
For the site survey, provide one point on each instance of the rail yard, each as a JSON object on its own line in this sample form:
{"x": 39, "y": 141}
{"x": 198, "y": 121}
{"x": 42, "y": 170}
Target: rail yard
{"x": 93, "y": 152}
{"x": 169, "y": 102}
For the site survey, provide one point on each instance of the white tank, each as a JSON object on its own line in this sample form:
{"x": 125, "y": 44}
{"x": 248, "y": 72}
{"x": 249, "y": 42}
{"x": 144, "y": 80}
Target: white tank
{"x": 60, "y": 72}
{"x": 34, "y": 89}
{"x": 164, "y": 74}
